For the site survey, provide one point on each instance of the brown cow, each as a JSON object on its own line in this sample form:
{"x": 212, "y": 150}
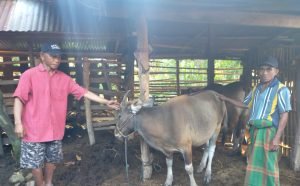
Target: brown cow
{"x": 177, "y": 125}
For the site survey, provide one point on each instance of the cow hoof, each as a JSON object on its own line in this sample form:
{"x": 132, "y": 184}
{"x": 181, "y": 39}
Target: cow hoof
{"x": 168, "y": 184}
{"x": 207, "y": 178}
{"x": 206, "y": 181}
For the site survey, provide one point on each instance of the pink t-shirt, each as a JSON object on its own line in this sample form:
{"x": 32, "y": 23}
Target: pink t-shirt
{"x": 45, "y": 103}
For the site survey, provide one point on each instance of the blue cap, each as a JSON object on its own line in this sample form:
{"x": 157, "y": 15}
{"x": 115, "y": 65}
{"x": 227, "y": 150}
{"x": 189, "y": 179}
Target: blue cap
{"x": 271, "y": 61}
{"x": 51, "y": 48}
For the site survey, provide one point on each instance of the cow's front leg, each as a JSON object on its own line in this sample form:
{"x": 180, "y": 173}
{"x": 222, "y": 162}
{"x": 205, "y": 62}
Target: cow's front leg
{"x": 169, "y": 161}
{"x": 187, "y": 155}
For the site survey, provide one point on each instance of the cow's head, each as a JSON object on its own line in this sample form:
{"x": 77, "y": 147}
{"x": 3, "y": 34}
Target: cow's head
{"x": 126, "y": 117}
{"x": 125, "y": 120}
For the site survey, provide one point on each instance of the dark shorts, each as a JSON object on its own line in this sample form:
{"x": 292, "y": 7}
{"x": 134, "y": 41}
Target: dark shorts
{"x": 34, "y": 155}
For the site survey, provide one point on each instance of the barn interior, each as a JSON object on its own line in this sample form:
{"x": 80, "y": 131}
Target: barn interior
{"x": 103, "y": 41}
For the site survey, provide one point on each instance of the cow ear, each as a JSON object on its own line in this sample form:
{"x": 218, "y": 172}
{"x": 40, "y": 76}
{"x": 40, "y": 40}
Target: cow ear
{"x": 136, "y": 106}
{"x": 149, "y": 102}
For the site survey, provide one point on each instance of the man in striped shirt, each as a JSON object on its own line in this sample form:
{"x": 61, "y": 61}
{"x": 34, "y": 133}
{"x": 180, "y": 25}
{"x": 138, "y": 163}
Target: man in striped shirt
{"x": 269, "y": 104}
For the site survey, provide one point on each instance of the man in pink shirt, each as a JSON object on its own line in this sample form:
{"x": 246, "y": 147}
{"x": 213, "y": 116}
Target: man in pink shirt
{"x": 40, "y": 113}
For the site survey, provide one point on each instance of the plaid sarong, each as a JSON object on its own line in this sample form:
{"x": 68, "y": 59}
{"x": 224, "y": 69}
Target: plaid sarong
{"x": 262, "y": 168}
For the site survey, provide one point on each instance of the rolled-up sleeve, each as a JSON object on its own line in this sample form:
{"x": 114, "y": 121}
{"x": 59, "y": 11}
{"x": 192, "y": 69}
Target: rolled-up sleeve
{"x": 76, "y": 90}
{"x": 247, "y": 99}
{"x": 24, "y": 88}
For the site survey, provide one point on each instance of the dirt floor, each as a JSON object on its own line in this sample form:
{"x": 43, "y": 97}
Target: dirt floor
{"x": 103, "y": 164}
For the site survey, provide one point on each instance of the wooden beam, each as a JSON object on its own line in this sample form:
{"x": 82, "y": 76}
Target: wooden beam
{"x": 223, "y": 17}
{"x": 208, "y": 15}
{"x": 71, "y": 53}
{"x": 87, "y": 102}
{"x": 42, "y": 36}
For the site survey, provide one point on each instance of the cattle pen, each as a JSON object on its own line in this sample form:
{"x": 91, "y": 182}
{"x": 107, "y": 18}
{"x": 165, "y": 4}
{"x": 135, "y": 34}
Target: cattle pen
{"x": 112, "y": 46}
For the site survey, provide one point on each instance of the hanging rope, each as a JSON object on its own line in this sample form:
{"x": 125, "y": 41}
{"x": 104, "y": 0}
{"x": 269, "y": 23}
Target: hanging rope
{"x": 126, "y": 163}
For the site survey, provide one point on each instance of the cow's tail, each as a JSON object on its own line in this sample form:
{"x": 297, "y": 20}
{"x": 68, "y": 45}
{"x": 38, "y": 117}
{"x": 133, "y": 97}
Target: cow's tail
{"x": 232, "y": 101}
{"x": 224, "y": 126}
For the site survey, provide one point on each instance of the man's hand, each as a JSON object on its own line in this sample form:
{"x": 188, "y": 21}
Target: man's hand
{"x": 113, "y": 104}
{"x": 274, "y": 144}
{"x": 20, "y": 132}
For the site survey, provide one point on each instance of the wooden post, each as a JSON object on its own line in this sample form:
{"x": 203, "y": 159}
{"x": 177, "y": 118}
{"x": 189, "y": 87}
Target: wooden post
{"x": 246, "y": 77}
{"x": 37, "y": 61}
{"x": 128, "y": 59}
{"x": 296, "y": 150}
{"x": 142, "y": 56}
{"x": 31, "y": 55}
{"x": 87, "y": 102}
{"x": 1, "y": 146}
{"x": 79, "y": 80}
{"x": 107, "y": 83}
{"x": 211, "y": 62}
{"x": 177, "y": 77}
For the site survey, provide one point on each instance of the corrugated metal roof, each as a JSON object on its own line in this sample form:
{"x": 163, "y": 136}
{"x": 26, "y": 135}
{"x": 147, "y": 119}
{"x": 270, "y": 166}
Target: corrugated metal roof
{"x": 56, "y": 16}
{"x": 65, "y": 17}
{"x": 29, "y": 15}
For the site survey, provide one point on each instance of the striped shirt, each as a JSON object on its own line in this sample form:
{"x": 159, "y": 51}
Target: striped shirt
{"x": 269, "y": 103}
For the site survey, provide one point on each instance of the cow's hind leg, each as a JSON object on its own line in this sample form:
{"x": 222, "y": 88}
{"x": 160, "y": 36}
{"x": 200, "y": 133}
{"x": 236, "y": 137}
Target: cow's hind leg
{"x": 204, "y": 159}
{"x": 211, "y": 152}
{"x": 187, "y": 155}
{"x": 169, "y": 161}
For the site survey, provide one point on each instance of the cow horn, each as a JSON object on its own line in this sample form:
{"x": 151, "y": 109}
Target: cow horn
{"x": 124, "y": 101}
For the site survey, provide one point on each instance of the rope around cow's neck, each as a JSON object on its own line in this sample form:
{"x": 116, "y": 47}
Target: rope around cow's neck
{"x": 123, "y": 125}
{"x": 126, "y": 163}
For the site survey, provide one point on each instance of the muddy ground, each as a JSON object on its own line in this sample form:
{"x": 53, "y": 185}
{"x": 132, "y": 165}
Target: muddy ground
{"x": 103, "y": 164}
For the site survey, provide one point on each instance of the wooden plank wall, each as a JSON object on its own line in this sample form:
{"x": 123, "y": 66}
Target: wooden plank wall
{"x": 11, "y": 68}
{"x": 106, "y": 78}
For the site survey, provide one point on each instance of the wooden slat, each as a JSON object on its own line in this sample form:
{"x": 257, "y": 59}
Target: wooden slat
{"x": 104, "y": 123}
{"x": 107, "y": 92}
{"x": 9, "y": 82}
{"x": 96, "y": 107}
{"x": 14, "y": 62}
{"x": 113, "y": 79}
{"x": 105, "y": 128}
